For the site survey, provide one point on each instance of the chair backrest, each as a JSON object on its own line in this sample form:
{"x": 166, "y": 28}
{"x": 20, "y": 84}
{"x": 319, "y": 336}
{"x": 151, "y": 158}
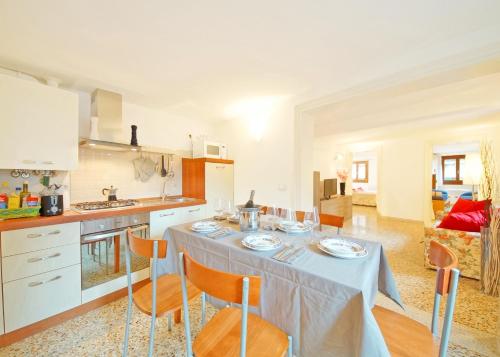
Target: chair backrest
{"x": 144, "y": 247}
{"x": 222, "y": 285}
{"x": 447, "y": 276}
{"x": 241, "y": 289}
{"x": 149, "y": 248}
{"x": 445, "y": 260}
{"x": 324, "y": 219}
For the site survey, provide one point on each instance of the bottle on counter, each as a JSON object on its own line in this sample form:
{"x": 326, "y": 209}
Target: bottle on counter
{"x": 24, "y": 194}
{"x": 14, "y": 199}
{"x": 4, "y": 197}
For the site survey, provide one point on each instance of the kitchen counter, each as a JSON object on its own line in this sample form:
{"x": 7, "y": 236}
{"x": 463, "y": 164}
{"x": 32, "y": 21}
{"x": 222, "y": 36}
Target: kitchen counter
{"x": 145, "y": 205}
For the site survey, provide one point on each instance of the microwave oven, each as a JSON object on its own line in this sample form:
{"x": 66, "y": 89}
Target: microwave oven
{"x": 209, "y": 149}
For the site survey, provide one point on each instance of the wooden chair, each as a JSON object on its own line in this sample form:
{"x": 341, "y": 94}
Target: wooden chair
{"x": 324, "y": 219}
{"x": 232, "y": 331}
{"x": 406, "y": 337}
{"x": 162, "y": 296}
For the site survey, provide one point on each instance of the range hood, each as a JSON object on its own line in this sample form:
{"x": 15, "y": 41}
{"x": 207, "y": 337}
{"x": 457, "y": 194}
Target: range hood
{"x": 107, "y": 108}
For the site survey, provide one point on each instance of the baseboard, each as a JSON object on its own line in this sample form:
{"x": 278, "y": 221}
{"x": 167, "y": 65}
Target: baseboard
{"x": 42, "y": 325}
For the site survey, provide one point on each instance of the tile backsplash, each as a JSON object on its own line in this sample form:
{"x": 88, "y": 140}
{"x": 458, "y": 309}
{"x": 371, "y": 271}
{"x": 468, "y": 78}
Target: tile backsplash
{"x": 34, "y": 185}
{"x": 99, "y": 169}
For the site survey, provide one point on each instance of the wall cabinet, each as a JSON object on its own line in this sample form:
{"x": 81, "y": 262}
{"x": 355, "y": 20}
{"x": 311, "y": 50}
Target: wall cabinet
{"x": 208, "y": 179}
{"x": 39, "y": 126}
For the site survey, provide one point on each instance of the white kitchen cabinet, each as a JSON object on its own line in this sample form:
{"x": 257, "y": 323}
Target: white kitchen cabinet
{"x": 35, "y": 298}
{"x": 1, "y": 306}
{"x": 208, "y": 179}
{"x": 159, "y": 221}
{"x": 39, "y": 126}
{"x": 193, "y": 213}
{"x": 33, "y": 263}
{"x": 219, "y": 183}
{"x": 33, "y": 239}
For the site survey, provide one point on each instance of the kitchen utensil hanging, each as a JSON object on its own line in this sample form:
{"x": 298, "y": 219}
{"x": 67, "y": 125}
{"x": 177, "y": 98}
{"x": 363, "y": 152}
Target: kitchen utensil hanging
{"x": 163, "y": 171}
{"x": 170, "y": 166}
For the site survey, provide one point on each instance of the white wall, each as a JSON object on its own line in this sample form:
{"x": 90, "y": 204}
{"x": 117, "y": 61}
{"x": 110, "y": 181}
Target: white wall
{"x": 156, "y": 128}
{"x": 401, "y": 179}
{"x": 266, "y": 165}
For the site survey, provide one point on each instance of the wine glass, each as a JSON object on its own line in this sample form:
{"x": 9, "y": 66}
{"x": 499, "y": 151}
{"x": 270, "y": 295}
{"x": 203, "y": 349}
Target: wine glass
{"x": 272, "y": 216}
{"x": 228, "y": 208}
{"x": 311, "y": 220}
{"x": 218, "y": 206}
{"x": 288, "y": 219}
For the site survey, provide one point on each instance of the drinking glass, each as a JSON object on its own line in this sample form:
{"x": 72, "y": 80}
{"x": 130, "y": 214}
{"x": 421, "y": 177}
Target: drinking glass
{"x": 228, "y": 208}
{"x": 272, "y": 216}
{"x": 218, "y": 206}
{"x": 311, "y": 219}
{"x": 288, "y": 215}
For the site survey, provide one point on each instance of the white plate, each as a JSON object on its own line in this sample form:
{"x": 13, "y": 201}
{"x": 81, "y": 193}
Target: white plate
{"x": 205, "y": 226}
{"x": 293, "y": 227}
{"x": 233, "y": 219}
{"x": 342, "y": 248}
{"x": 261, "y": 241}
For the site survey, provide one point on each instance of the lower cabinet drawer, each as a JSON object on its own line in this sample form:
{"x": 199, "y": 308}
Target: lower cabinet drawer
{"x": 29, "y": 264}
{"x": 35, "y": 298}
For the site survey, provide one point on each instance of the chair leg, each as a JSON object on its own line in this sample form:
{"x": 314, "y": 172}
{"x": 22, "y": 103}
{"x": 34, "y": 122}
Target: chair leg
{"x": 169, "y": 321}
{"x": 290, "y": 346}
{"x": 177, "y": 316}
{"x": 152, "y": 336}
{"x": 203, "y": 309}
{"x": 127, "y": 328}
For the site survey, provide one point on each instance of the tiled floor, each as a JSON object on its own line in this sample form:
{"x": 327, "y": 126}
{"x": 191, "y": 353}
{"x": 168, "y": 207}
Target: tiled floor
{"x": 475, "y": 331}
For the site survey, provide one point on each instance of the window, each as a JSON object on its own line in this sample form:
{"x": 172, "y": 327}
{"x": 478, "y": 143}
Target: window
{"x": 360, "y": 171}
{"x": 452, "y": 175}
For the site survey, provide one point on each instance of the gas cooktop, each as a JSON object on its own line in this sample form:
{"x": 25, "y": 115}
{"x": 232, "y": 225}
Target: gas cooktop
{"x": 96, "y": 205}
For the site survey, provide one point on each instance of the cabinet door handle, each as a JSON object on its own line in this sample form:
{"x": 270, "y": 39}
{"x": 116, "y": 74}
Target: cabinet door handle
{"x": 29, "y": 161}
{"x": 193, "y": 210}
{"x": 48, "y": 162}
{"x": 38, "y": 283}
{"x": 57, "y": 231}
{"x": 39, "y": 259}
{"x": 167, "y": 214}
{"x": 34, "y": 235}
{"x": 220, "y": 167}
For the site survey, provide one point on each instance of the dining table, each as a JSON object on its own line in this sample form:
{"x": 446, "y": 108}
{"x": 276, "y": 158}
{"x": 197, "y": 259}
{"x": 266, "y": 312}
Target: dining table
{"x": 323, "y": 302}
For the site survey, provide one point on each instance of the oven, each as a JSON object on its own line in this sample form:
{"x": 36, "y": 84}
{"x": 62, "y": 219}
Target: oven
{"x": 103, "y": 247}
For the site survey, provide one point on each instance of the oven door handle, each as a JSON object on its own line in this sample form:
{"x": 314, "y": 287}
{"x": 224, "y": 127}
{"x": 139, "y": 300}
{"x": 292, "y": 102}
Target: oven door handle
{"x": 101, "y": 236}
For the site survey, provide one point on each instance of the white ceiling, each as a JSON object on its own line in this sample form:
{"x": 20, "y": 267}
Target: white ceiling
{"x": 198, "y": 58}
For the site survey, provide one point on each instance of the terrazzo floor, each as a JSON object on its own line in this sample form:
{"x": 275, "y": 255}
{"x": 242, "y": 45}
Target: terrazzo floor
{"x": 475, "y": 330}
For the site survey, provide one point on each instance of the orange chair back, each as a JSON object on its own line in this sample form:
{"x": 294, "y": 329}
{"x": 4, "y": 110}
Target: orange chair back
{"x": 324, "y": 219}
{"x": 222, "y": 285}
{"x": 144, "y": 247}
{"x": 445, "y": 260}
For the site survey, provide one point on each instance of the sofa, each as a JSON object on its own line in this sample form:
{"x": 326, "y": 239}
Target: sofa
{"x": 466, "y": 246}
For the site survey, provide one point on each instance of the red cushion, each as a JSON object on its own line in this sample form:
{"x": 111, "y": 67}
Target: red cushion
{"x": 468, "y": 206}
{"x": 464, "y": 221}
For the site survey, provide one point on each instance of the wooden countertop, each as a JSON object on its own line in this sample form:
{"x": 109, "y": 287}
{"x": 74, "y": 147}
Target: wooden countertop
{"x": 146, "y": 205}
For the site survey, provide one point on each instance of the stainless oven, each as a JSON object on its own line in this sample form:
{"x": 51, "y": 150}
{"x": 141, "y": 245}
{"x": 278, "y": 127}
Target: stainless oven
{"x": 103, "y": 247}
